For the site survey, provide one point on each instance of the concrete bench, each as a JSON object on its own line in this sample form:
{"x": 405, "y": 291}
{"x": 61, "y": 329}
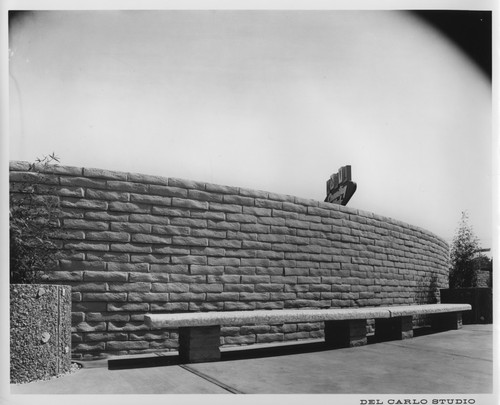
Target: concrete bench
{"x": 199, "y": 332}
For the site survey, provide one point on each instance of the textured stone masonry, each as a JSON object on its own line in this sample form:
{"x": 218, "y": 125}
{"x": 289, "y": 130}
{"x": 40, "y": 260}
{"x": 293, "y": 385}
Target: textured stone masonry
{"x": 133, "y": 244}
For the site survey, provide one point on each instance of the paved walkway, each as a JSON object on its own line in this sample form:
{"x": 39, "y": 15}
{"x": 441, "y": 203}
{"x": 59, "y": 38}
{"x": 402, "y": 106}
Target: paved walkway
{"x": 452, "y": 362}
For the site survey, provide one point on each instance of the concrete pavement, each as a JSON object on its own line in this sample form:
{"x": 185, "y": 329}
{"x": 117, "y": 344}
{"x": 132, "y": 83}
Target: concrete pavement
{"x": 452, "y": 362}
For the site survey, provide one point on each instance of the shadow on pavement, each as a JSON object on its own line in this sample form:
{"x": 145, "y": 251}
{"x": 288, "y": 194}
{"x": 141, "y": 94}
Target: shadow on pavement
{"x": 246, "y": 352}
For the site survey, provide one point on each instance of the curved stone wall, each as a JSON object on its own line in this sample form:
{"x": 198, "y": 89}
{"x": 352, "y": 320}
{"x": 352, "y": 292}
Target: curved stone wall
{"x": 133, "y": 244}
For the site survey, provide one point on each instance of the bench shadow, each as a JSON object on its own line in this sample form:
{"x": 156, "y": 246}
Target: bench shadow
{"x": 274, "y": 351}
{"x": 144, "y": 362}
{"x": 245, "y": 353}
{"x": 233, "y": 354}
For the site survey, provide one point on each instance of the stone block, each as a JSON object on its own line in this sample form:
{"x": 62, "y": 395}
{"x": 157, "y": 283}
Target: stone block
{"x": 255, "y": 262}
{"x": 127, "y": 186}
{"x": 257, "y": 211}
{"x": 84, "y": 287}
{"x": 127, "y": 267}
{"x": 170, "y": 230}
{"x": 189, "y": 204}
{"x": 281, "y": 197}
{"x": 127, "y": 345}
{"x": 240, "y": 253}
{"x": 169, "y": 268}
{"x": 147, "y": 297}
{"x": 89, "y": 327}
{"x": 206, "y": 269}
{"x": 150, "y": 199}
{"x": 105, "y": 297}
{"x": 240, "y": 340}
{"x": 62, "y": 276}
{"x": 239, "y": 306}
{"x": 78, "y": 203}
{"x": 189, "y": 184}
{"x": 127, "y": 307}
{"x": 107, "y": 195}
{"x": 345, "y": 333}
{"x": 169, "y": 250}
{"x": 206, "y": 306}
{"x": 238, "y": 200}
{"x": 168, "y": 191}
{"x": 285, "y": 214}
{"x": 89, "y": 347}
{"x": 108, "y": 236}
{"x": 223, "y": 279}
{"x": 85, "y": 225}
{"x": 264, "y": 203}
{"x": 189, "y": 222}
{"x": 149, "y": 219}
{"x": 130, "y": 248}
{"x": 255, "y": 228}
{"x": 204, "y": 196}
{"x": 448, "y": 321}
{"x": 296, "y": 336}
{"x": 199, "y": 344}
{"x": 130, "y": 287}
{"x": 223, "y": 225}
{"x": 222, "y": 297}
{"x": 273, "y": 221}
{"x": 253, "y": 193}
{"x": 170, "y": 287}
{"x": 19, "y": 165}
{"x": 215, "y": 216}
{"x": 189, "y": 241}
{"x": 255, "y": 279}
{"x": 96, "y": 246}
{"x": 82, "y": 182}
{"x": 104, "y": 174}
{"x": 397, "y": 328}
{"x": 227, "y": 208}
{"x": 104, "y": 317}
{"x": 187, "y": 278}
{"x": 170, "y": 307}
{"x": 206, "y": 288}
{"x": 104, "y": 276}
{"x": 146, "y": 179}
{"x": 126, "y": 326}
{"x": 263, "y": 296}
{"x": 219, "y": 189}
{"x": 239, "y": 287}
{"x": 88, "y": 306}
{"x": 269, "y": 305}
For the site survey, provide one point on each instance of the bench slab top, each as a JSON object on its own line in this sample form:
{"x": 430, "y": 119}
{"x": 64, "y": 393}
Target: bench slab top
{"x": 426, "y": 309}
{"x": 262, "y": 316}
{"x": 193, "y": 319}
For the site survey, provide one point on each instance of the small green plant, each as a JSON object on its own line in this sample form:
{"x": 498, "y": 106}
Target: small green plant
{"x": 34, "y": 224}
{"x": 464, "y": 249}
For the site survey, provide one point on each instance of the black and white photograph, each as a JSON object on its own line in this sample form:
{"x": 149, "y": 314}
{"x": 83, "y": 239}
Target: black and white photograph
{"x": 292, "y": 200}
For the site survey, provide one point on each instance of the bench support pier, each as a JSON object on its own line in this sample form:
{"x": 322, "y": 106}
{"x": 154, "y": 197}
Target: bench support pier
{"x": 199, "y": 344}
{"x": 446, "y": 321}
{"x": 398, "y": 328}
{"x": 345, "y": 333}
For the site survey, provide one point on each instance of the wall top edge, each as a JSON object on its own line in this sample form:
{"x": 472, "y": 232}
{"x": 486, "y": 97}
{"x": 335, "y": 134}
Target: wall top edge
{"x": 111, "y": 175}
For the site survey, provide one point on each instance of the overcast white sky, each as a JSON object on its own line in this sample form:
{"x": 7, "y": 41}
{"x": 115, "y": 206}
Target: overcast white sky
{"x": 269, "y": 100}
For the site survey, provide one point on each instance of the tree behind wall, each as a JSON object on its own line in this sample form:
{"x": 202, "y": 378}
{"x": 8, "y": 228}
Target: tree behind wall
{"x": 33, "y": 220}
{"x": 464, "y": 249}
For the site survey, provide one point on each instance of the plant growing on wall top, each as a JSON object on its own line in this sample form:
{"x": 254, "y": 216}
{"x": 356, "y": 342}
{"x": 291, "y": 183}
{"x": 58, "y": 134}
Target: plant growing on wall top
{"x": 33, "y": 223}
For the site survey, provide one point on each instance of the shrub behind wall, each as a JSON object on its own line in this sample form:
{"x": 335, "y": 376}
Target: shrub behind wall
{"x": 133, "y": 244}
